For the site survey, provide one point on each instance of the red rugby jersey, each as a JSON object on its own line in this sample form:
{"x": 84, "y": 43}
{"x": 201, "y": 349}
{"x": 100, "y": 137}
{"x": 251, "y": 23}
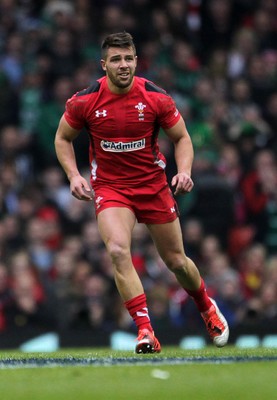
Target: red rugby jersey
{"x": 123, "y": 131}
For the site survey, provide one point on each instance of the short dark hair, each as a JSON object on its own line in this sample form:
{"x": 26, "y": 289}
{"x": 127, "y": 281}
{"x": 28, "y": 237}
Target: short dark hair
{"x": 120, "y": 39}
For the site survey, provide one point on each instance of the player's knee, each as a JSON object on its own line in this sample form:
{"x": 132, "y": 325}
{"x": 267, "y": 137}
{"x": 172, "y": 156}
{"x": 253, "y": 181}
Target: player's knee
{"x": 117, "y": 252}
{"x": 178, "y": 264}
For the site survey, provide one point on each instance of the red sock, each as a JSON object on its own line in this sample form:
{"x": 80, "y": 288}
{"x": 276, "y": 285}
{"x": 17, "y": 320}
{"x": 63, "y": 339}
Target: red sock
{"x": 138, "y": 310}
{"x": 200, "y": 297}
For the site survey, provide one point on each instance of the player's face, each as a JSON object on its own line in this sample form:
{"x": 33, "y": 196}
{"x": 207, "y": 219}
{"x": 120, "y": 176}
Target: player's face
{"x": 120, "y": 65}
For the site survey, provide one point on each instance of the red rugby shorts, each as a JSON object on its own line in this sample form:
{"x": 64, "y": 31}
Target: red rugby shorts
{"x": 149, "y": 206}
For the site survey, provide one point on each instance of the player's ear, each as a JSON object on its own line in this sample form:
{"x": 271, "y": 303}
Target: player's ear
{"x": 103, "y": 65}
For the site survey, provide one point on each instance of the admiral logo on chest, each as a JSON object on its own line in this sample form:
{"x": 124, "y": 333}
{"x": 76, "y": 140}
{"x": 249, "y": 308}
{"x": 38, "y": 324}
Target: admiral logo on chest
{"x": 122, "y": 146}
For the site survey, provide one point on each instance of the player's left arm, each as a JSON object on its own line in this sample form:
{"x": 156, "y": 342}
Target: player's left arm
{"x": 184, "y": 154}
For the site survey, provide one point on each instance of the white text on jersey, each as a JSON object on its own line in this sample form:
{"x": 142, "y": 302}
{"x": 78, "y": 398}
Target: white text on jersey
{"x": 123, "y": 146}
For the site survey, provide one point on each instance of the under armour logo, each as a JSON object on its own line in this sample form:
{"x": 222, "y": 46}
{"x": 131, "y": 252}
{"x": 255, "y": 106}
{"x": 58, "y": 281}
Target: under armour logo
{"x": 172, "y": 209}
{"x": 100, "y": 113}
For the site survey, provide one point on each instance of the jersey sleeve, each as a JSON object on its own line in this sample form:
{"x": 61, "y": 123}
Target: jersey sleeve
{"x": 74, "y": 112}
{"x": 168, "y": 114}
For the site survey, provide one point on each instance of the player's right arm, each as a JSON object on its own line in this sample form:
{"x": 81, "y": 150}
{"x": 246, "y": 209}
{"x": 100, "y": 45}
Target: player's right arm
{"x": 66, "y": 155}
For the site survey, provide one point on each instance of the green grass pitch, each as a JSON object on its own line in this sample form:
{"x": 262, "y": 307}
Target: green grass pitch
{"x": 208, "y": 374}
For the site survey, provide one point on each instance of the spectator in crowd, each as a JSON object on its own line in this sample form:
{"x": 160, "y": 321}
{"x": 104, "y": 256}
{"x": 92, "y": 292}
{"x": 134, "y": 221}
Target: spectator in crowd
{"x": 94, "y": 311}
{"x": 50, "y": 111}
{"x": 29, "y": 306}
{"x": 259, "y": 192}
{"x": 5, "y": 294}
{"x": 252, "y": 269}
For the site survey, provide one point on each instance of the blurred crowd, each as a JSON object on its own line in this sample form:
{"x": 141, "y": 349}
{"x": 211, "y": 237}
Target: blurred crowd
{"x": 218, "y": 59}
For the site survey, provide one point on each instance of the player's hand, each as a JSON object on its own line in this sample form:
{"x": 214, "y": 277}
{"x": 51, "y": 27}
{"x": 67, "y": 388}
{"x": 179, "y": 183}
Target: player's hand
{"x": 80, "y": 188}
{"x": 182, "y": 182}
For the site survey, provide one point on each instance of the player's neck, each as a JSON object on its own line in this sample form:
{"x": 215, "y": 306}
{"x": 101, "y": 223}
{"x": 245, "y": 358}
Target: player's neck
{"x": 118, "y": 90}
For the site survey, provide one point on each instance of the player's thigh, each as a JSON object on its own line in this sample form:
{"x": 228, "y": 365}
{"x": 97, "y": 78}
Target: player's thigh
{"x": 168, "y": 239}
{"x": 115, "y": 225}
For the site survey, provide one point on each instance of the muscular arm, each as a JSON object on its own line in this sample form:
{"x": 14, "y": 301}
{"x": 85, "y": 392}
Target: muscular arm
{"x": 65, "y": 153}
{"x": 183, "y": 157}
